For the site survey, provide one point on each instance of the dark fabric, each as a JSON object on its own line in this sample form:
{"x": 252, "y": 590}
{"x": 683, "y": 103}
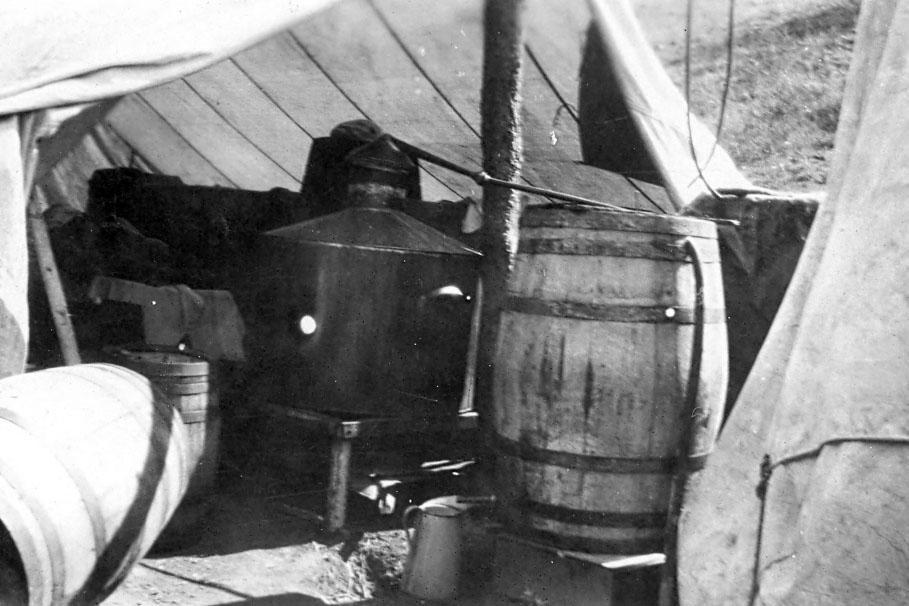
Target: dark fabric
{"x": 609, "y": 138}
{"x": 758, "y": 256}
{"x": 203, "y": 226}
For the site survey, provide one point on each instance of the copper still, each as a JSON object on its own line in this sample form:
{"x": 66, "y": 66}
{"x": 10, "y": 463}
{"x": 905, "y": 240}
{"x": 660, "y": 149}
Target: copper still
{"x": 366, "y": 310}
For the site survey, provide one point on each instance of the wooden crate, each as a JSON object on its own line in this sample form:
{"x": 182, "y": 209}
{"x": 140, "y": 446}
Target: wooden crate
{"x": 539, "y": 574}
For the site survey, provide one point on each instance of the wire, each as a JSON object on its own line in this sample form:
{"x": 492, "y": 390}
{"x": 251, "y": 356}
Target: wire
{"x": 691, "y": 147}
{"x": 573, "y": 112}
{"x": 730, "y": 43}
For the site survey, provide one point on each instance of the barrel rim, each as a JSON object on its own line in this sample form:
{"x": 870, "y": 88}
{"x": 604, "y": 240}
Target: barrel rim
{"x": 35, "y": 561}
{"x": 604, "y": 219}
{"x": 195, "y": 363}
{"x": 37, "y": 531}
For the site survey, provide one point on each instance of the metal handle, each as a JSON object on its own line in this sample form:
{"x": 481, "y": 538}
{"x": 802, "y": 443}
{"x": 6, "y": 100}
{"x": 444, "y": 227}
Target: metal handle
{"x": 668, "y": 592}
{"x": 697, "y": 350}
{"x": 405, "y": 522}
{"x": 449, "y": 292}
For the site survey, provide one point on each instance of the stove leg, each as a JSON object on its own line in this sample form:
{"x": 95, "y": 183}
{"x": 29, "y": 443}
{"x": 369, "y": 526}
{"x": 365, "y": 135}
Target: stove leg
{"x": 339, "y": 476}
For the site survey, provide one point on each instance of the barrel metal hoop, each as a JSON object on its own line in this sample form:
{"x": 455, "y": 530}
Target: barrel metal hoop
{"x": 586, "y": 517}
{"x": 604, "y": 312}
{"x": 626, "y": 222}
{"x": 30, "y": 551}
{"x": 180, "y": 389}
{"x": 199, "y": 416}
{"x": 653, "y": 249}
{"x": 86, "y": 492}
{"x": 185, "y": 362}
{"x": 616, "y": 465}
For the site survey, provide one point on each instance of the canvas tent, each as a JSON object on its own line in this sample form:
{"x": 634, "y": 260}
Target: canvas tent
{"x": 248, "y": 120}
{"x": 60, "y": 61}
{"x": 804, "y": 499}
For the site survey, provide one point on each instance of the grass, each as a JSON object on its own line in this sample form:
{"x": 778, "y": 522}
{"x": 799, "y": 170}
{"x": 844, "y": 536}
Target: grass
{"x": 784, "y": 97}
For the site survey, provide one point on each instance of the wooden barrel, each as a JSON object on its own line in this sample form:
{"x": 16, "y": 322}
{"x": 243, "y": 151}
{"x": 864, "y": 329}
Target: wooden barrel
{"x": 605, "y": 350}
{"x": 92, "y": 466}
{"x": 183, "y": 376}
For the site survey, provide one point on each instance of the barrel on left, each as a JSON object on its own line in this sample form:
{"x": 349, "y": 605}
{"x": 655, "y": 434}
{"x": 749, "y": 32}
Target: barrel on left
{"x": 93, "y": 463}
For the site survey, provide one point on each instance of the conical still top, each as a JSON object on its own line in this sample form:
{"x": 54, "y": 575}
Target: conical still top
{"x": 378, "y": 172}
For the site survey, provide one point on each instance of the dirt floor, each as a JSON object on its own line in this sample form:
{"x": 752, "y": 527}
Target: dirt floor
{"x": 262, "y": 542}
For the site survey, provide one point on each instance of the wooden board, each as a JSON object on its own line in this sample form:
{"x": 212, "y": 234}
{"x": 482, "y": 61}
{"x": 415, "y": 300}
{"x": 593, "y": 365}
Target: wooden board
{"x": 525, "y": 571}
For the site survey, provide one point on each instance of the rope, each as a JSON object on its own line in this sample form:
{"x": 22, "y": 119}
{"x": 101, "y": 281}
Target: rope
{"x": 766, "y": 472}
{"x": 730, "y": 42}
{"x": 694, "y": 156}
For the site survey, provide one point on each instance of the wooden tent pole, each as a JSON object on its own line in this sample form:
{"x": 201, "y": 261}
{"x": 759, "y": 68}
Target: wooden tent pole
{"x": 47, "y": 264}
{"x": 500, "y": 106}
{"x": 50, "y": 277}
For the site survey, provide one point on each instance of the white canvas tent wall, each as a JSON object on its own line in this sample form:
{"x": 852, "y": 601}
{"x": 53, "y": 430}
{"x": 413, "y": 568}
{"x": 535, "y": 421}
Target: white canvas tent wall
{"x": 59, "y": 56}
{"x": 826, "y": 402}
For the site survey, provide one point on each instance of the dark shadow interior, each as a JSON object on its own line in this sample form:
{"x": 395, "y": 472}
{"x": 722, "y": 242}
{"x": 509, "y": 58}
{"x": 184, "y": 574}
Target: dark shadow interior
{"x": 13, "y": 585}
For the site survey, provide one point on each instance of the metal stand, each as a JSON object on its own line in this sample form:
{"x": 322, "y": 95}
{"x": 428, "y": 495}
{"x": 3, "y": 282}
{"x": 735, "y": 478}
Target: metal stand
{"x": 343, "y": 433}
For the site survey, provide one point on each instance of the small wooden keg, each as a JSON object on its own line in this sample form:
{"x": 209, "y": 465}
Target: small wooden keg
{"x": 184, "y": 378}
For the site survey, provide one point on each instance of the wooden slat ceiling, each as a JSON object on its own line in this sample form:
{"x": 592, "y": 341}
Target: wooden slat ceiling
{"x": 413, "y": 67}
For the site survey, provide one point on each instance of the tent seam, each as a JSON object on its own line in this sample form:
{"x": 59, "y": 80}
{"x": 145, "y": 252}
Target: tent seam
{"x": 185, "y": 140}
{"x": 420, "y": 68}
{"x": 350, "y": 100}
{"x": 270, "y": 97}
{"x": 233, "y": 127}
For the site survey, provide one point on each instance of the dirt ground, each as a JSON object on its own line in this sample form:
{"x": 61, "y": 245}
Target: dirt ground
{"x": 664, "y": 22}
{"x": 261, "y": 543}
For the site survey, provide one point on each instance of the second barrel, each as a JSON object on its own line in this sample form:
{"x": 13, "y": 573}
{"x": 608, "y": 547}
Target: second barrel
{"x": 184, "y": 377}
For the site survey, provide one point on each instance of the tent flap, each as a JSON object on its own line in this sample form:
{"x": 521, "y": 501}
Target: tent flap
{"x": 826, "y": 400}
